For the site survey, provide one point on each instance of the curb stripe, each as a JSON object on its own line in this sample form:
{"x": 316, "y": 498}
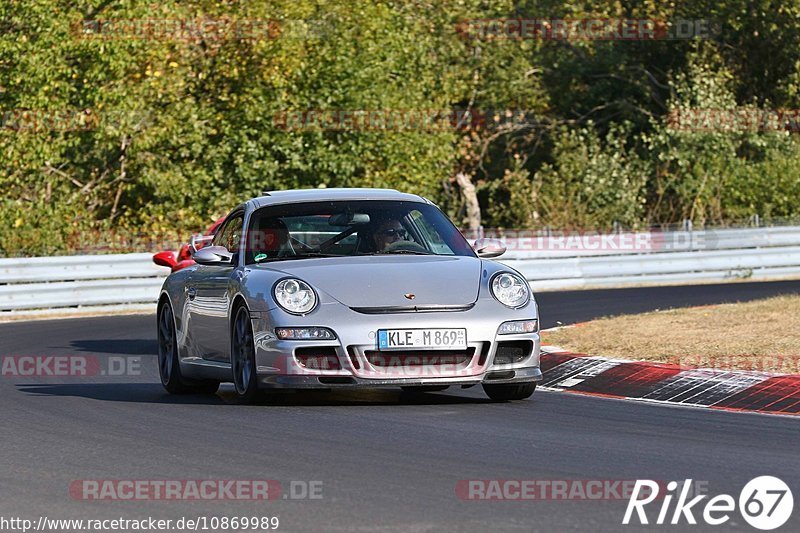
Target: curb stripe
{"x": 730, "y": 390}
{"x": 776, "y": 394}
{"x": 632, "y": 380}
{"x": 553, "y": 359}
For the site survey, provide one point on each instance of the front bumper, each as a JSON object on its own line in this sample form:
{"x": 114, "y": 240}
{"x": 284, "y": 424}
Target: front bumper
{"x": 355, "y": 349}
{"x": 275, "y": 381}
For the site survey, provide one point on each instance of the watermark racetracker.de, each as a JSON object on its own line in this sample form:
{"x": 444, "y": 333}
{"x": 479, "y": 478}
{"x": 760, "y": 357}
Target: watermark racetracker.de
{"x": 201, "y": 28}
{"x": 194, "y": 490}
{"x": 734, "y": 120}
{"x": 34, "y": 121}
{"x": 769, "y": 364}
{"x": 566, "y": 242}
{"x": 585, "y": 29}
{"x": 69, "y": 366}
{"x": 556, "y": 489}
{"x": 204, "y": 28}
{"x": 398, "y": 120}
{"x": 765, "y": 502}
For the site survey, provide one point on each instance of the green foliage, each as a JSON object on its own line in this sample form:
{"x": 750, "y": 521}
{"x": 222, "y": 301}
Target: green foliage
{"x": 713, "y": 176}
{"x": 511, "y": 201}
{"x": 159, "y": 136}
{"x": 593, "y": 181}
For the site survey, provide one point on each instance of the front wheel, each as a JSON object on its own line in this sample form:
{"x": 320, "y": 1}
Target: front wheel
{"x": 505, "y": 393}
{"x": 243, "y": 358}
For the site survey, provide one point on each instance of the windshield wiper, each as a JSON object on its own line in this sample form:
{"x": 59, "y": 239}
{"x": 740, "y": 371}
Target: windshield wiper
{"x": 409, "y": 252}
{"x": 307, "y": 255}
{"x": 412, "y": 252}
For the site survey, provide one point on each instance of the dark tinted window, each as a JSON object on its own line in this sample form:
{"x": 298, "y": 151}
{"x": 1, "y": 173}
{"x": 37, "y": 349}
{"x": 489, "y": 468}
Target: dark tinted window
{"x": 346, "y": 228}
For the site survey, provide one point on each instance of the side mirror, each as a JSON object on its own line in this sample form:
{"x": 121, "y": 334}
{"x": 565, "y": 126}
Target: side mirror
{"x": 489, "y": 248}
{"x": 213, "y": 255}
{"x": 165, "y": 259}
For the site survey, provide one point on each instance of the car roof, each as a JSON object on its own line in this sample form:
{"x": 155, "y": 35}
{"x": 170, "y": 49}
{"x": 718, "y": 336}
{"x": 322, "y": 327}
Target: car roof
{"x": 319, "y": 195}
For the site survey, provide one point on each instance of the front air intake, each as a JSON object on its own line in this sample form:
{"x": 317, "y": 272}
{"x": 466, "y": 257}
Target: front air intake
{"x": 322, "y": 358}
{"x": 419, "y": 358}
{"x": 510, "y": 352}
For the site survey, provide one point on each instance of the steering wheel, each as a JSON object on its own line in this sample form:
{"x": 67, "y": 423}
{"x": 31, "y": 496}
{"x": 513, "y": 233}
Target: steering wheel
{"x": 410, "y": 246}
{"x": 301, "y": 244}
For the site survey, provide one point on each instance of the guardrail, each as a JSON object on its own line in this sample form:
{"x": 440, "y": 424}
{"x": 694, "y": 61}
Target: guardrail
{"x": 549, "y": 261}
{"x": 78, "y": 281}
{"x": 656, "y": 258}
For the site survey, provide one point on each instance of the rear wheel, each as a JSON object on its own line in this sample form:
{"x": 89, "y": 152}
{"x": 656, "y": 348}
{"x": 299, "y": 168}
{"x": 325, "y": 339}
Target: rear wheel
{"x": 169, "y": 368}
{"x": 508, "y": 392}
{"x": 243, "y": 358}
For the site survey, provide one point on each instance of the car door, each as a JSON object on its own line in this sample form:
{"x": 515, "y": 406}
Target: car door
{"x": 209, "y": 296}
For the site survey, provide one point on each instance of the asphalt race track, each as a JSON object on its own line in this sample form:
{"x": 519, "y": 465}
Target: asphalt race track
{"x": 386, "y": 461}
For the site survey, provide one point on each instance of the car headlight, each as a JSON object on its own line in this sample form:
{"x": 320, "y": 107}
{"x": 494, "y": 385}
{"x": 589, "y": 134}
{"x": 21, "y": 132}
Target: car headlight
{"x": 510, "y": 290}
{"x": 295, "y": 296}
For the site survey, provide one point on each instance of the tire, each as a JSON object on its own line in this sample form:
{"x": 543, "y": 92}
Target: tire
{"x": 243, "y": 358}
{"x": 424, "y": 388}
{"x": 169, "y": 368}
{"x": 505, "y": 393}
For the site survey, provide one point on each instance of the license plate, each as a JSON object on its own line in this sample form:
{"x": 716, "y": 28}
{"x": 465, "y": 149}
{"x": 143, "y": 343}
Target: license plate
{"x": 430, "y": 339}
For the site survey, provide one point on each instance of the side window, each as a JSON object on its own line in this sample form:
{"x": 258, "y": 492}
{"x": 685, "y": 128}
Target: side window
{"x": 230, "y": 236}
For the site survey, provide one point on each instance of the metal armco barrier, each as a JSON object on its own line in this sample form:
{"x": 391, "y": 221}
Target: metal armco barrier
{"x": 73, "y": 281}
{"x": 576, "y": 261}
{"x": 548, "y": 261}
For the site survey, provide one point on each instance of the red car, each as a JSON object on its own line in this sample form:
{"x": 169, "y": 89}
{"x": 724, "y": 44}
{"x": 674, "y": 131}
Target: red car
{"x": 184, "y": 257}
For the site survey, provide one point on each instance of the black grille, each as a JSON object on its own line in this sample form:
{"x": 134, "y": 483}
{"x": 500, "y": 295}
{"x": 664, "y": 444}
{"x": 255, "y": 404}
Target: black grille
{"x": 509, "y": 352}
{"x": 417, "y": 358}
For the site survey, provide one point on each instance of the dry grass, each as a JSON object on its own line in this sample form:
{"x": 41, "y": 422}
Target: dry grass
{"x": 762, "y": 335}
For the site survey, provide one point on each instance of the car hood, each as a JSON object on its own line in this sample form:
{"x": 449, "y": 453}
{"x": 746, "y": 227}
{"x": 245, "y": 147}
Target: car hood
{"x": 384, "y": 281}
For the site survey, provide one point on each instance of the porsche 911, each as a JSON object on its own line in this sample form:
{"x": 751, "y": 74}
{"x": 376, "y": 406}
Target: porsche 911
{"x": 338, "y": 288}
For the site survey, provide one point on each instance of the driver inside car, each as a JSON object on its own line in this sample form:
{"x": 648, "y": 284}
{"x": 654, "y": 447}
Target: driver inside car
{"x": 389, "y": 232}
{"x": 270, "y": 240}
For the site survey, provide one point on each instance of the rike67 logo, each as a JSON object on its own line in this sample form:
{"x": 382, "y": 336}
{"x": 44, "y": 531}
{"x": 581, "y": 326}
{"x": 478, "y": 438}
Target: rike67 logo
{"x": 765, "y": 503}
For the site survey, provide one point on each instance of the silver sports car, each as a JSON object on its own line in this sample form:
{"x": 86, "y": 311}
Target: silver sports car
{"x": 331, "y": 288}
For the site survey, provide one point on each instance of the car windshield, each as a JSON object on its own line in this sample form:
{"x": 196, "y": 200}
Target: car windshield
{"x": 351, "y": 228}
